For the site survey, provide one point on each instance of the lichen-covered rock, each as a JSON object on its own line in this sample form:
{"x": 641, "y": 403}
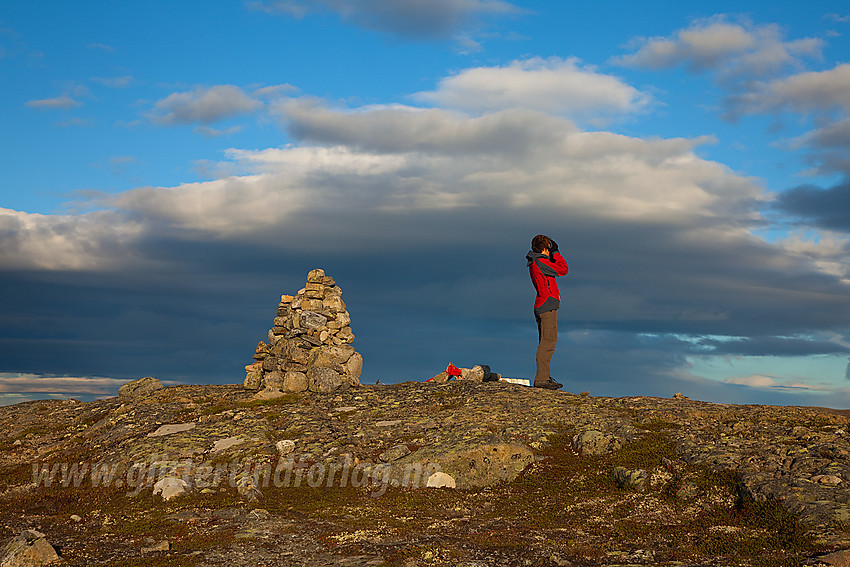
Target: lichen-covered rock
{"x": 635, "y": 479}
{"x": 139, "y": 388}
{"x": 474, "y": 374}
{"x": 323, "y": 380}
{"x": 594, "y": 442}
{"x": 481, "y": 461}
{"x": 253, "y": 376}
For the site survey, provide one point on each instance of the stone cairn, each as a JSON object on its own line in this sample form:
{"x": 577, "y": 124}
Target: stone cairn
{"x": 309, "y": 347}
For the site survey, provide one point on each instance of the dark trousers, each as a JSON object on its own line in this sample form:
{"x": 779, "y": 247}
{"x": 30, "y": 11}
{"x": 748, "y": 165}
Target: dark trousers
{"x": 547, "y": 331}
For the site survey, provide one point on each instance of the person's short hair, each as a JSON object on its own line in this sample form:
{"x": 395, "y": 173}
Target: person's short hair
{"x": 540, "y": 243}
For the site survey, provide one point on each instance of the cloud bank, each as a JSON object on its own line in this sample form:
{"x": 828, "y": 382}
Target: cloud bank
{"x": 424, "y": 214}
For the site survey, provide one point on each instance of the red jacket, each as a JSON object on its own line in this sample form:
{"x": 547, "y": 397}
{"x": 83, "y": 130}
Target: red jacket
{"x": 543, "y": 272}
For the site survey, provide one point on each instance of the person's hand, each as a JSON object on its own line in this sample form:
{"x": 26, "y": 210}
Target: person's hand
{"x": 553, "y": 248}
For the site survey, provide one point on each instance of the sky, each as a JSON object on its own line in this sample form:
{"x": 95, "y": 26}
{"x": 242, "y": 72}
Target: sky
{"x": 170, "y": 169}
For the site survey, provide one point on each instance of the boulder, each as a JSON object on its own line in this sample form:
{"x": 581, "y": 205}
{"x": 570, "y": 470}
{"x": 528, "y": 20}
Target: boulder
{"x": 253, "y": 380}
{"x": 469, "y": 462}
{"x": 294, "y": 381}
{"x": 634, "y": 479}
{"x": 29, "y": 548}
{"x": 285, "y": 446}
{"x": 140, "y": 388}
{"x": 474, "y": 374}
{"x": 594, "y": 442}
{"x": 354, "y": 367}
{"x": 323, "y": 380}
{"x": 440, "y": 480}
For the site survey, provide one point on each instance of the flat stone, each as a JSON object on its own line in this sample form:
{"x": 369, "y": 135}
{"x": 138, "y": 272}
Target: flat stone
{"x": 394, "y": 453}
{"x": 224, "y": 444}
{"x": 157, "y": 547}
{"x": 388, "y": 423}
{"x": 441, "y": 378}
{"x": 172, "y": 428}
{"x": 170, "y": 488}
{"x": 828, "y": 479}
{"x": 268, "y": 394}
{"x": 836, "y": 558}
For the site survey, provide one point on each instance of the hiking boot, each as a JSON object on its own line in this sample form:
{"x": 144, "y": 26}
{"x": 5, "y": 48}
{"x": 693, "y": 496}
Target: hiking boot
{"x": 548, "y": 384}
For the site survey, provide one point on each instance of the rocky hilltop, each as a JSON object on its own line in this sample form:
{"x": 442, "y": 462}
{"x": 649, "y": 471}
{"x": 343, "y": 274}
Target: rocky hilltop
{"x": 459, "y": 473}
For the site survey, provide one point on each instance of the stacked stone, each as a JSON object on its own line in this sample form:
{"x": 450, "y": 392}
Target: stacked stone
{"x": 309, "y": 347}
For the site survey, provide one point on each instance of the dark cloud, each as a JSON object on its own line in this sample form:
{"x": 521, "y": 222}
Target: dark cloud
{"x": 827, "y": 208}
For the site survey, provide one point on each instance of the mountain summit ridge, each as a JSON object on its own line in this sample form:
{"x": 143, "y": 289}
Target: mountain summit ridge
{"x": 210, "y": 475}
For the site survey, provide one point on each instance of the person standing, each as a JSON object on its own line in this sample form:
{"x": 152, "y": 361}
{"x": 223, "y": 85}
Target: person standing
{"x": 545, "y": 263}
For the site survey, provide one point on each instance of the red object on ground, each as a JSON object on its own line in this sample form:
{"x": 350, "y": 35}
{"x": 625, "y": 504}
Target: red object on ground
{"x": 452, "y": 370}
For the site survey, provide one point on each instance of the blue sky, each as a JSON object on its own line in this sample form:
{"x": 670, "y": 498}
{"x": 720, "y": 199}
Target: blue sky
{"x": 170, "y": 170}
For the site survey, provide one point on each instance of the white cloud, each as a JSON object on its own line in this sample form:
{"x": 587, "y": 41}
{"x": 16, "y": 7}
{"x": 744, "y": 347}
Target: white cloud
{"x": 830, "y": 252}
{"x": 93, "y": 241}
{"x": 754, "y": 381}
{"x": 75, "y": 122}
{"x": 401, "y": 129}
{"x": 275, "y": 91}
{"x": 838, "y": 18}
{"x": 417, "y": 19}
{"x": 102, "y": 47}
{"x": 17, "y": 383}
{"x": 788, "y": 385}
{"x": 203, "y": 105}
{"x": 115, "y": 82}
{"x": 63, "y": 102}
{"x": 815, "y": 91}
{"x": 557, "y": 86}
{"x": 216, "y": 132}
{"x": 734, "y": 50}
